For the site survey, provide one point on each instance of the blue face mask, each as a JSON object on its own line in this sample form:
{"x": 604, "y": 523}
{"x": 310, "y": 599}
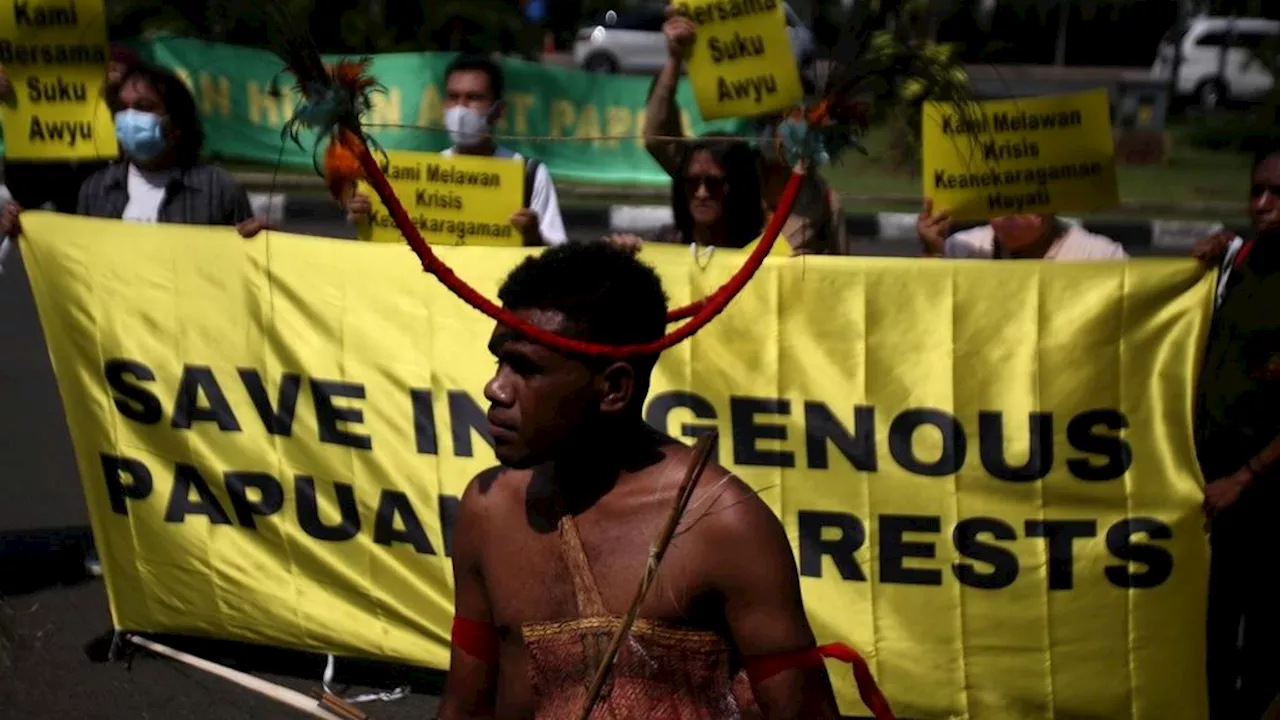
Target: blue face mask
{"x": 140, "y": 134}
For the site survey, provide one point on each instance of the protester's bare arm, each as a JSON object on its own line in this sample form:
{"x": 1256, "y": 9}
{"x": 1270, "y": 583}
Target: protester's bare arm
{"x": 469, "y": 691}
{"x": 662, "y": 116}
{"x": 755, "y": 574}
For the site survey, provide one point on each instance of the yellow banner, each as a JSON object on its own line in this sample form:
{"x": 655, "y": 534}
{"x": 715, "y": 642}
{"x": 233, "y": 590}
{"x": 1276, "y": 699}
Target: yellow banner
{"x": 742, "y": 64}
{"x": 55, "y": 52}
{"x": 986, "y": 469}
{"x": 453, "y": 199}
{"x": 1042, "y": 155}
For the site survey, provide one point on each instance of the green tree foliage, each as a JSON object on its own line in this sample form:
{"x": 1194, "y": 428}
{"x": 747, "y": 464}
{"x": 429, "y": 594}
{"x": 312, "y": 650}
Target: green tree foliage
{"x": 905, "y": 66}
{"x": 337, "y": 26}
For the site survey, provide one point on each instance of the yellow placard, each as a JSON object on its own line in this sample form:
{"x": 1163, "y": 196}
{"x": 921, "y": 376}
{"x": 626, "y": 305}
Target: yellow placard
{"x": 453, "y": 199}
{"x": 55, "y": 53}
{"x": 987, "y": 472}
{"x": 742, "y": 64}
{"x": 1042, "y": 155}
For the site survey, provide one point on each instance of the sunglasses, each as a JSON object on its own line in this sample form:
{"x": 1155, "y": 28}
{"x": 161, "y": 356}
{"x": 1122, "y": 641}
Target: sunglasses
{"x": 1259, "y": 189}
{"x": 714, "y": 184}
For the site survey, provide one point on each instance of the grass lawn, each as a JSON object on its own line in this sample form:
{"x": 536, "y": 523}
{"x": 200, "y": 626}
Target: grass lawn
{"x": 1191, "y": 175}
{"x": 1189, "y": 180}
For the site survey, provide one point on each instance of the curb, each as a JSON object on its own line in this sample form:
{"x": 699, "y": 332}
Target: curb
{"x": 883, "y": 227}
{"x": 659, "y": 195}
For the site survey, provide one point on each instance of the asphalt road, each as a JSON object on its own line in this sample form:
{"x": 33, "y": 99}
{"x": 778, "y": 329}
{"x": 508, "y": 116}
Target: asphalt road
{"x": 53, "y": 646}
{"x": 54, "y": 621}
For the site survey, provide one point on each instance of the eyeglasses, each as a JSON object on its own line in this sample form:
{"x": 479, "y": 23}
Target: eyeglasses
{"x": 715, "y": 184}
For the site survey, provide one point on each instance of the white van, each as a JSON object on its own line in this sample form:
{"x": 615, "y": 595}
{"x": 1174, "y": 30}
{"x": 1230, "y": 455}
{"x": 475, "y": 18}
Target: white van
{"x": 1218, "y": 63}
{"x": 631, "y": 41}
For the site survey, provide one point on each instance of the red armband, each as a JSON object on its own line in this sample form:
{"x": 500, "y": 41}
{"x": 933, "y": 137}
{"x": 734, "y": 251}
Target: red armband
{"x": 762, "y": 668}
{"x": 477, "y": 639}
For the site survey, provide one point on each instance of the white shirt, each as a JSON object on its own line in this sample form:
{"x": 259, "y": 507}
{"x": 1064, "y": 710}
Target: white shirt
{"x": 1075, "y": 244}
{"x": 543, "y": 200}
{"x": 146, "y": 194}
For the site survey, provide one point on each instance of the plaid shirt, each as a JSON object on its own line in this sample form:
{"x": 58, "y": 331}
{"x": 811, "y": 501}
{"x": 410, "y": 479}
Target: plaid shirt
{"x": 198, "y": 195}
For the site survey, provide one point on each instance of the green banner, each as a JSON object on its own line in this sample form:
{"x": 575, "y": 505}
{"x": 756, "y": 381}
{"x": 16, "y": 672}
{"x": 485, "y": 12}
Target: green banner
{"x": 586, "y": 127}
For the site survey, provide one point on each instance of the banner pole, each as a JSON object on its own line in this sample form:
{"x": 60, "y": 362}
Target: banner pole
{"x": 279, "y": 693}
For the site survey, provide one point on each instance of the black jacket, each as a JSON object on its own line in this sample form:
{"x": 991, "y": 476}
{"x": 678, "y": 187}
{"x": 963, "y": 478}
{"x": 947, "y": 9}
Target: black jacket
{"x": 1238, "y": 397}
{"x": 198, "y": 195}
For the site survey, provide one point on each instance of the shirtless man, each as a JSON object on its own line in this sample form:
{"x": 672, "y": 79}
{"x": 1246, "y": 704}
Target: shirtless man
{"x": 584, "y": 478}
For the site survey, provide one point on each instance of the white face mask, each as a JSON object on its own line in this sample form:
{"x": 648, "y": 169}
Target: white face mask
{"x": 467, "y": 127}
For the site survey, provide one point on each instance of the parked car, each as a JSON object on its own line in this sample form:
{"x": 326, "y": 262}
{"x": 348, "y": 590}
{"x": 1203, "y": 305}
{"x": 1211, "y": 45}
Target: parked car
{"x": 633, "y": 41}
{"x": 1218, "y": 62}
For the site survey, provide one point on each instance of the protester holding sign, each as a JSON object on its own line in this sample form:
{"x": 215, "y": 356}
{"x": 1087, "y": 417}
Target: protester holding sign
{"x": 1023, "y": 162}
{"x": 160, "y": 177}
{"x": 452, "y": 199}
{"x": 715, "y": 199}
{"x": 1049, "y": 155}
{"x": 473, "y": 105}
{"x": 1025, "y": 237}
{"x": 816, "y": 224}
{"x": 1238, "y": 444}
{"x": 549, "y": 547}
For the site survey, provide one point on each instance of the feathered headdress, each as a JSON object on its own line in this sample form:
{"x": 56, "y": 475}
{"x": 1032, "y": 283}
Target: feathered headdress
{"x": 332, "y": 99}
{"x": 872, "y": 62}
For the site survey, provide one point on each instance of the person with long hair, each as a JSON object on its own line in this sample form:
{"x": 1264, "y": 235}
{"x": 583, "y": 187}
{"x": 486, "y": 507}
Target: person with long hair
{"x": 715, "y": 199}
{"x": 816, "y": 225}
{"x": 159, "y": 176}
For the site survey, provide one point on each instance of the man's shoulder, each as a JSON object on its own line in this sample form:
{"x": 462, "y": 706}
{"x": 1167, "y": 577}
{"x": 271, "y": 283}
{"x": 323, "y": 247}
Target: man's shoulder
{"x": 494, "y": 485}
{"x": 722, "y": 505}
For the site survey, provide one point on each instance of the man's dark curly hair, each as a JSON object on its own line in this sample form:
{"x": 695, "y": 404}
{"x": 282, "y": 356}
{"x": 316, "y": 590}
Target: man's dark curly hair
{"x": 607, "y": 295}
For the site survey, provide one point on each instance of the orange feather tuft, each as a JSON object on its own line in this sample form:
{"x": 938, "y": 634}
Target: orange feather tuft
{"x": 353, "y": 75}
{"x": 342, "y": 164}
{"x": 818, "y": 113}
